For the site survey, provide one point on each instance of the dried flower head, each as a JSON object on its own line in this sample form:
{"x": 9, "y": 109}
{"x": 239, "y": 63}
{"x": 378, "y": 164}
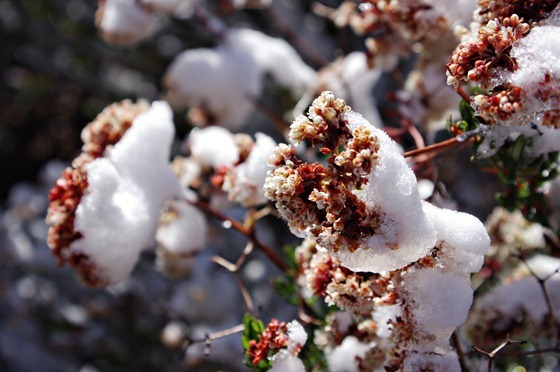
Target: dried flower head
{"x": 529, "y": 10}
{"x": 480, "y": 60}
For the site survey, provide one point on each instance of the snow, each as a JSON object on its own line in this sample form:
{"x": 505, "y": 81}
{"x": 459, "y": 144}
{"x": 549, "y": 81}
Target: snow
{"x": 343, "y": 357}
{"x": 391, "y": 189}
{"x": 212, "y": 147}
{"x": 431, "y": 362}
{"x": 186, "y": 233}
{"x": 275, "y": 57}
{"x": 244, "y": 183}
{"x": 225, "y": 80}
{"x": 284, "y": 361}
{"x": 441, "y": 300}
{"x": 119, "y": 214}
{"x": 221, "y": 80}
{"x": 125, "y": 22}
{"x": 463, "y": 236}
{"x": 297, "y": 337}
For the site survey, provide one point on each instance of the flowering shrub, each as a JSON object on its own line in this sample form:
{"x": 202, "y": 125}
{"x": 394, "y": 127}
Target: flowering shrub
{"x": 334, "y": 173}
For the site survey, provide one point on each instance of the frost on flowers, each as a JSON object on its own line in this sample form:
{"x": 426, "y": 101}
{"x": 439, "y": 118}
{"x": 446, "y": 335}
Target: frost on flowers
{"x": 220, "y": 161}
{"x": 373, "y": 248}
{"x": 281, "y": 344}
{"x": 104, "y": 209}
{"x": 512, "y": 55}
{"x": 363, "y": 204}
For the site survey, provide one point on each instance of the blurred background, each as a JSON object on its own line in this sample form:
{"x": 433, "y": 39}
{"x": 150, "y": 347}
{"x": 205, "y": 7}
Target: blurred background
{"x": 57, "y": 74}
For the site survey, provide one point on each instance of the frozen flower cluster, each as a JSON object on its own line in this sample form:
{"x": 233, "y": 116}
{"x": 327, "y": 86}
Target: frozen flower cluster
{"x": 510, "y": 54}
{"x": 281, "y": 343}
{"x": 121, "y": 194}
{"x": 104, "y": 210}
{"x": 350, "y": 205}
{"x": 379, "y": 251}
{"x": 324, "y": 276}
{"x": 220, "y": 163}
{"x": 394, "y": 31}
{"x": 393, "y": 27}
{"x": 220, "y": 85}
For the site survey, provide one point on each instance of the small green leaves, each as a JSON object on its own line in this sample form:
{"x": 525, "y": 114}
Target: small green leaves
{"x": 523, "y": 178}
{"x": 254, "y": 328}
{"x": 469, "y": 121}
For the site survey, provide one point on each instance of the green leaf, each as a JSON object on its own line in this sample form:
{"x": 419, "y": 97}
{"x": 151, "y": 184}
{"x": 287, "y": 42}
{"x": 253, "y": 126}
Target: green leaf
{"x": 253, "y": 329}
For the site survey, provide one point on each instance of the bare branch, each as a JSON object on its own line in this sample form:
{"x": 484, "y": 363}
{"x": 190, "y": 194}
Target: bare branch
{"x": 249, "y": 233}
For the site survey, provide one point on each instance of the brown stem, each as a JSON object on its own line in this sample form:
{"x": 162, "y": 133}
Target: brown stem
{"x": 212, "y": 337}
{"x": 491, "y": 355}
{"x": 303, "y": 309}
{"x": 459, "y": 349}
{"x": 463, "y": 94}
{"x": 249, "y": 233}
{"x": 550, "y": 309}
{"x": 435, "y": 147}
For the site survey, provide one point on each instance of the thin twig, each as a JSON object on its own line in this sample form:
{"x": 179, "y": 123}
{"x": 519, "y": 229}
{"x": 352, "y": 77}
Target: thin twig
{"x": 249, "y": 233}
{"x": 245, "y": 294}
{"x": 491, "y": 355}
{"x": 212, "y": 337}
{"x": 234, "y": 268}
{"x": 435, "y": 147}
{"x": 550, "y": 309}
{"x": 459, "y": 349}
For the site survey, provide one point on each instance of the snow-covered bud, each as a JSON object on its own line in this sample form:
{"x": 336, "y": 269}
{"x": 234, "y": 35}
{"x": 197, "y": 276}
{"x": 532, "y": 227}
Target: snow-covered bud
{"x": 181, "y": 235}
{"x": 124, "y": 22}
{"x": 244, "y": 182}
{"x": 104, "y": 211}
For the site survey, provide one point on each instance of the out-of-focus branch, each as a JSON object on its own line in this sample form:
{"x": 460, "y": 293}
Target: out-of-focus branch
{"x": 492, "y": 354}
{"x": 248, "y": 232}
{"x": 294, "y": 38}
{"x": 550, "y": 309}
{"x": 234, "y": 268}
{"x": 212, "y": 337}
